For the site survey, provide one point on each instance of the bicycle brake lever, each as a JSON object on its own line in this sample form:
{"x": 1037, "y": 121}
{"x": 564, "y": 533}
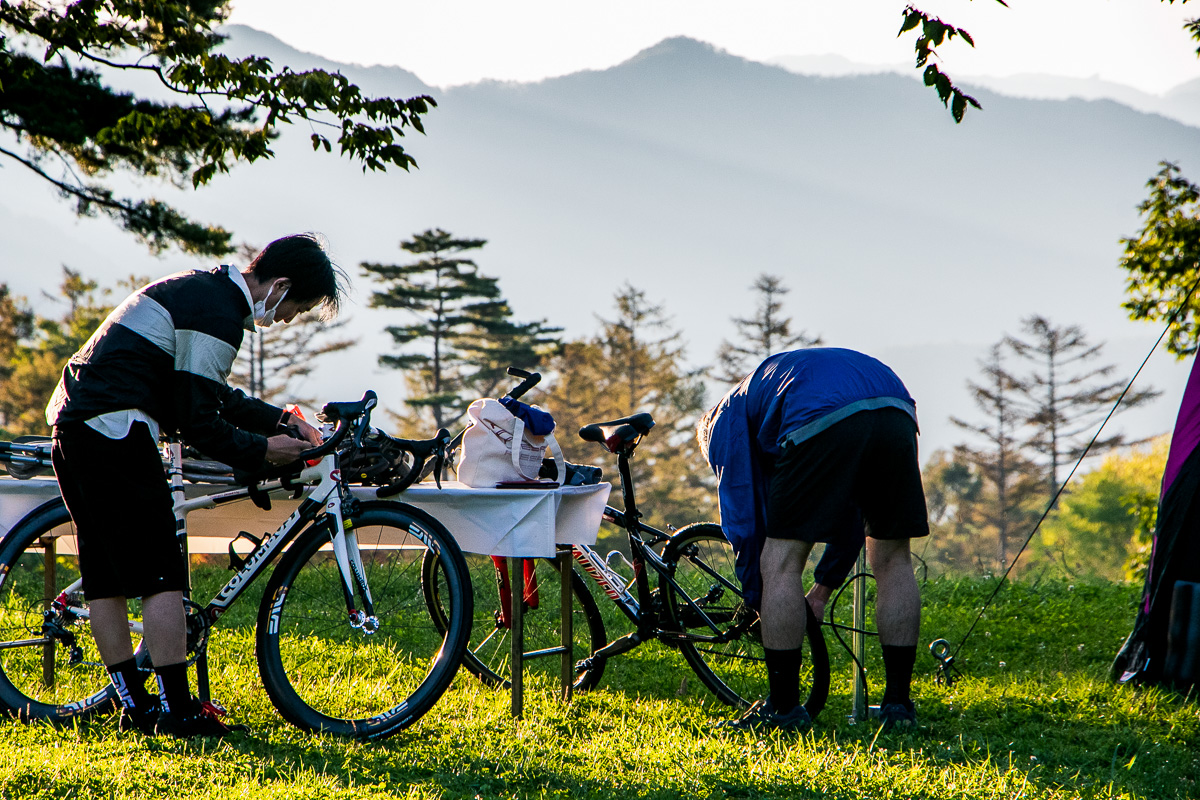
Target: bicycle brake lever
{"x": 439, "y": 456}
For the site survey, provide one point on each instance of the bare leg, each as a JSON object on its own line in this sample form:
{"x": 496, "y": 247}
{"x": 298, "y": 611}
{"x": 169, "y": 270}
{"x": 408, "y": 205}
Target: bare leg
{"x": 898, "y": 608}
{"x": 783, "y": 616}
{"x": 110, "y": 627}
{"x": 165, "y": 627}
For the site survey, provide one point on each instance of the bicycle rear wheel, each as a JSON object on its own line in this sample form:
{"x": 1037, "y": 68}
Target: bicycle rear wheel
{"x": 323, "y": 674}
{"x": 730, "y": 663}
{"x": 50, "y": 667}
{"x": 490, "y": 652}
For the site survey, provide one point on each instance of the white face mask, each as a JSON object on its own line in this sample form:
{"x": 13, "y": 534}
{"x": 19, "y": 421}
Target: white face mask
{"x": 264, "y": 317}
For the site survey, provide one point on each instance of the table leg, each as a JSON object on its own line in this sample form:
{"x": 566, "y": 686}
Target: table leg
{"x": 568, "y": 637}
{"x": 516, "y": 573}
{"x": 50, "y": 591}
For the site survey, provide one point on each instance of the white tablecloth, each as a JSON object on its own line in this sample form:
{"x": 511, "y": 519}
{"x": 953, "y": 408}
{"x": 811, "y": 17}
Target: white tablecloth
{"x": 501, "y": 522}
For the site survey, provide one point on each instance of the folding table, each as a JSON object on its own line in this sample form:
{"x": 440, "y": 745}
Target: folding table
{"x": 511, "y": 523}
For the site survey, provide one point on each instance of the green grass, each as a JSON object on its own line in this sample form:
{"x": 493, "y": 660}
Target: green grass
{"x": 1034, "y": 718}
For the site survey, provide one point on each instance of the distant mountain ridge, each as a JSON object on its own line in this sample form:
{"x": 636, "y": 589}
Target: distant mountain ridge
{"x": 686, "y": 171}
{"x": 1181, "y": 103}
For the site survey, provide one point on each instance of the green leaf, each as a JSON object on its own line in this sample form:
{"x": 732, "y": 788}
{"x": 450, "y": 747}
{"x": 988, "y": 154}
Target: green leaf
{"x": 912, "y": 19}
{"x": 959, "y": 107}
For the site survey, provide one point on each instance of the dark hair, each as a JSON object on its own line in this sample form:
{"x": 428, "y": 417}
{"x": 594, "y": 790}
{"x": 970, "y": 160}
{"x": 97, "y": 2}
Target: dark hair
{"x": 303, "y": 259}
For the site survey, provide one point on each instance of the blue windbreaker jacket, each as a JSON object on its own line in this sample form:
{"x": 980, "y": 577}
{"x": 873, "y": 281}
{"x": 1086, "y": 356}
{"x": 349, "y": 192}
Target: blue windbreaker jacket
{"x": 790, "y": 397}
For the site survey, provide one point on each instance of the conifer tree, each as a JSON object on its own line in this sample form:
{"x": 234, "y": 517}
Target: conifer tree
{"x": 1010, "y": 480}
{"x": 635, "y": 364}
{"x": 766, "y": 333}
{"x": 273, "y": 362}
{"x": 463, "y": 325}
{"x": 1065, "y": 395}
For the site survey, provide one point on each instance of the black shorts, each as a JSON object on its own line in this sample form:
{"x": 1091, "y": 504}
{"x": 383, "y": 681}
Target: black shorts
{"x": 120, "y": 502}
{"x": 866, "y": 463}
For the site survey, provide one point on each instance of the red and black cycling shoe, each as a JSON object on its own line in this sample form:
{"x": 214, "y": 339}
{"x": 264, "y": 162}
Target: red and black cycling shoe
{"x": 197, "y": 719}
{"x": 140, "y": 719}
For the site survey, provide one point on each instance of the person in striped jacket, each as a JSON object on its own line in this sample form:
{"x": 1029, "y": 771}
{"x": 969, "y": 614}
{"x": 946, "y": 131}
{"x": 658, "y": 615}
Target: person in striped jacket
{"x": 160, "y": 364}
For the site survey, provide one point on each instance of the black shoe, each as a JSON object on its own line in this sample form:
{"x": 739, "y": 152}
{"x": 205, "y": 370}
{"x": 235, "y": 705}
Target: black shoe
{"x": 196, "y": 719}
{"x": 898, "y": 716}
{"x": 140, "y": 719}
{"x": 763, "y": 715}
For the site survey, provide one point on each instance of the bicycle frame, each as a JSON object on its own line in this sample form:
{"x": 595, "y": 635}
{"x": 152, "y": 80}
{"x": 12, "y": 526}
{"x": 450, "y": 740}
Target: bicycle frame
{"x": 641, "y": 609}
{"x": 326, "y": 495}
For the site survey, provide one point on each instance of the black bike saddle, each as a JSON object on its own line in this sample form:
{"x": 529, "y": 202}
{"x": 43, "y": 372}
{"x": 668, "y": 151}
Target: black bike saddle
{"x": 618, "y": 432}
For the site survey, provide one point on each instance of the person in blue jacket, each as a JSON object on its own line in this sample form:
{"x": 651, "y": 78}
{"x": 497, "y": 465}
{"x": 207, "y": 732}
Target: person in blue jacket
{"x": 820, "y": 445}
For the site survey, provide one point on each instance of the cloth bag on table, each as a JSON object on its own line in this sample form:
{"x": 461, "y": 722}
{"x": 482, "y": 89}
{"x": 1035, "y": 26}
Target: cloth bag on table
{"x": 497, "y": 447}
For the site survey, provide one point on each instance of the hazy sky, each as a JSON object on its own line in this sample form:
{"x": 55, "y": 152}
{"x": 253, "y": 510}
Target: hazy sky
{"x": 448, "y": 42}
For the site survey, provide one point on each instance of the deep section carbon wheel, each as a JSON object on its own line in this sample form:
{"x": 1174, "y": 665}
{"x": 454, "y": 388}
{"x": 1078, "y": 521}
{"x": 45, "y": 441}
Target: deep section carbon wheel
{"x": 325, "y": 673}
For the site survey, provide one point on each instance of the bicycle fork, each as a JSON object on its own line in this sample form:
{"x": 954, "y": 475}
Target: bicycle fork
{"x": 339, "y": 509}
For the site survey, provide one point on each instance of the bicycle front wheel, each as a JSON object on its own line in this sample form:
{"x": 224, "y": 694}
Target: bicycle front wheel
{"x": 50, "y": 667}
{"x": 324, "y": 674}
{"x": 729, "y": 660}
{"x": 489, "y": 654}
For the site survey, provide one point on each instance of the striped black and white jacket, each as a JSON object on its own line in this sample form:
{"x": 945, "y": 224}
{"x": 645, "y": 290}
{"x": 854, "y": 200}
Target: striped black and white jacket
{"x": 167, "y": 352}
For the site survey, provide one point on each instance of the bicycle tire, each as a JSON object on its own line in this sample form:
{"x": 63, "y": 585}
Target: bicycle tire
{"x": 64, "y": 678}
{"x": 734, "y": 671}
{"x": 324, "y": 675}
{"x": 489, "y": 653}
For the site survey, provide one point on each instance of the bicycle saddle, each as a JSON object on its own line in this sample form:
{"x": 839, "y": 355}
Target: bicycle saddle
{"x": 618, "y": 432}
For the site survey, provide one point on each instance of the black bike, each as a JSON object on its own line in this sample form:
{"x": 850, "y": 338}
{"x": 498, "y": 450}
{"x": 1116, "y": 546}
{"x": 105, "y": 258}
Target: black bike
{"x": 697, "y": 606}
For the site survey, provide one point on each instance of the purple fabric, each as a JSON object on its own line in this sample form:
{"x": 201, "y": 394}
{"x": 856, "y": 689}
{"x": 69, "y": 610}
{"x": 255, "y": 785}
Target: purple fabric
{"x": 1187, "y": 429}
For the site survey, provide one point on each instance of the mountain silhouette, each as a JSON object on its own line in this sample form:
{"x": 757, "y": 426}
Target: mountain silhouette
{"x": 686, "y": 172}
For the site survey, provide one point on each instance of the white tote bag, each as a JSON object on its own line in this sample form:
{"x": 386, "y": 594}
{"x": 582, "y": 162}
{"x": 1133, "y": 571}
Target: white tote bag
{"x": 496, "y": 448}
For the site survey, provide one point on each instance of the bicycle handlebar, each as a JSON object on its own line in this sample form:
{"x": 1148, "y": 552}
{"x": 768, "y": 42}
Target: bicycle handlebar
{"x": 421, "y": 451}
{"x": 345, "y": 414}
{"x": 531, "y": 380}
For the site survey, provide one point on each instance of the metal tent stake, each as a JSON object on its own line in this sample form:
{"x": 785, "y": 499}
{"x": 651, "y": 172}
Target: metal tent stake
{"x": 859, "y": 639}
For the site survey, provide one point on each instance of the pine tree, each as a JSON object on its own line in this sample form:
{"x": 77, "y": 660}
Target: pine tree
{"x": 1064, "y": 396}
{"x": 62, "y": 118}
{"x": 1010, "y": 479}
{"x": 465, "y": 325}
{"x": 633, "y": 365}
{"x": 766, "y": 333}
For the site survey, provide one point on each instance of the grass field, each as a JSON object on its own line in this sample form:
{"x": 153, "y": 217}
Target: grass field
{"x": 1034, "y": 718}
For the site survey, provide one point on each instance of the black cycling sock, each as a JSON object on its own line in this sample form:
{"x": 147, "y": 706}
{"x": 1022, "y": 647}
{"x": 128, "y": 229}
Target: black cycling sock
{"x": 173, "y": 686}
{"x": 783, "y": 677}
{"x": 898, "y": 663}
{"x": 130, "y": 683}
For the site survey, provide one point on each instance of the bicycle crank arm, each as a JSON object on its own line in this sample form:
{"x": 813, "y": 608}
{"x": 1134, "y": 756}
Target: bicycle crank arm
{"x": 613, "y": 648}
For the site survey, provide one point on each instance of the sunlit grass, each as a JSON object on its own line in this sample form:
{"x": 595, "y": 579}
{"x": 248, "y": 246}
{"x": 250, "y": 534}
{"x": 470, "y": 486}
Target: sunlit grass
{"x": 1045, "y": 723}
